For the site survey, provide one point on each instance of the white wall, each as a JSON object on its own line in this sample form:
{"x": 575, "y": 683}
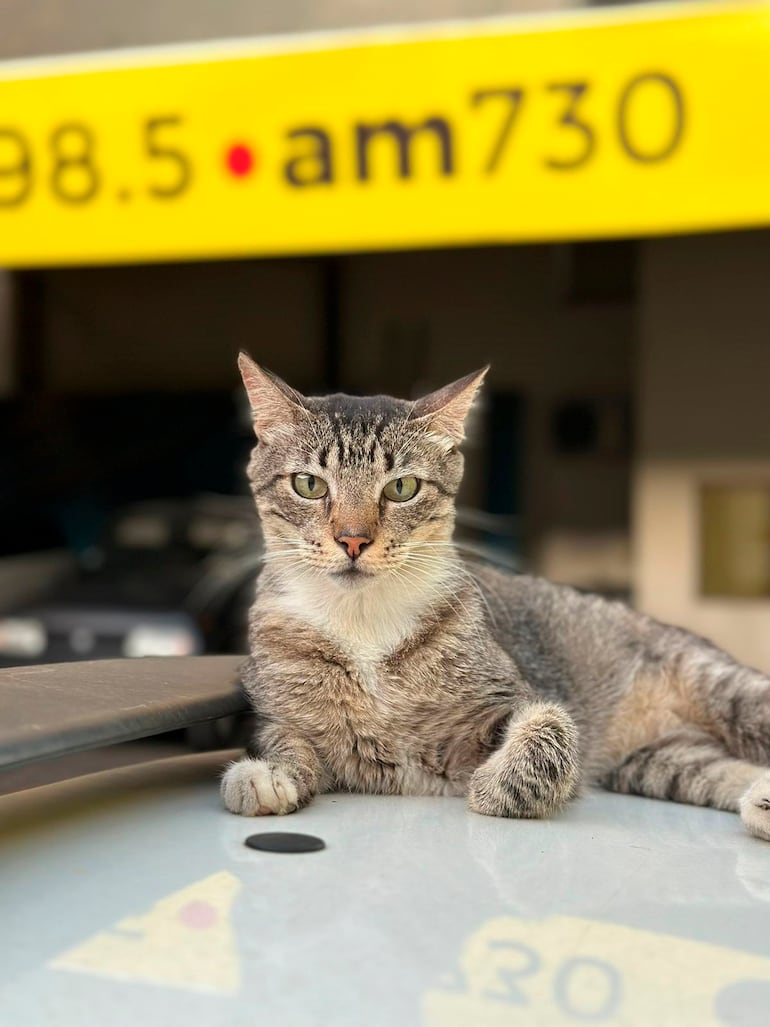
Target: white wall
{"x": 704, "y": 416}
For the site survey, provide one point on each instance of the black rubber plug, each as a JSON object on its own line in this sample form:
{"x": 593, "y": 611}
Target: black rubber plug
{"x": 283, "y": 841}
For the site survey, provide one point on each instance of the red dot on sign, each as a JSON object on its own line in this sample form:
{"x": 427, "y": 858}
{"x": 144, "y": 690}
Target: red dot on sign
{"x": 198, "y": 914}
{"x": 240, "y": 160}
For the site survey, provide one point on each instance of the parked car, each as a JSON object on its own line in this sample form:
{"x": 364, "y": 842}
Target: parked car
{"x": 169, "y": 578}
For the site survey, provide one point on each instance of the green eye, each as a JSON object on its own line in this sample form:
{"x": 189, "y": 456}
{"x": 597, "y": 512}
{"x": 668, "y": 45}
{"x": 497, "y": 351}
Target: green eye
{"x": 309, "y": 486}
{"x": 401, "y": 489}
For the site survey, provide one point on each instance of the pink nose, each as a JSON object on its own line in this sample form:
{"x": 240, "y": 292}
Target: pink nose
{"x": 354, "y": 544}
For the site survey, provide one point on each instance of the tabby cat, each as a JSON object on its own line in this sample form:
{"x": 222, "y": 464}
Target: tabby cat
{"x": 381, "y": 662}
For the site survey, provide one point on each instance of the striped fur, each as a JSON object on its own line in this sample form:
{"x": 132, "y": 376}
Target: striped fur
{"x": 414, "y": 673}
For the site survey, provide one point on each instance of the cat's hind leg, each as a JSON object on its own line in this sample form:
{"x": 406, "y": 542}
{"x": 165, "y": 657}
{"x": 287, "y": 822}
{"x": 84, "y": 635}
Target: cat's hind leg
{"x": 737, "y": 699}
{"x": 690, "y": 765}
{"x": 536, "y": 769}
{"x": 704, "y": 686}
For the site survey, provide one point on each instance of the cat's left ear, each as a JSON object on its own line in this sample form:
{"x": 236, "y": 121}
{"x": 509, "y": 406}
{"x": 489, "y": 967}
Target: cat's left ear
{"x": 445, "y": 410}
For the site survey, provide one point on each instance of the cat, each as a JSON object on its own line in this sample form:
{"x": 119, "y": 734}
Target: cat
{"x": 381, "y": 662}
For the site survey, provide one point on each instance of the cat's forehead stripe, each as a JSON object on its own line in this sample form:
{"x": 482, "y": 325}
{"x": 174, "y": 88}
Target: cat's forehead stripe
{"x": 359, "y": 432}
{"x": 374, "y": 411}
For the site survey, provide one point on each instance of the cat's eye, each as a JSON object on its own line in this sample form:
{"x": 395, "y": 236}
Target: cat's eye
{"x": 401, "y": 489}
{"x": 309, "y": 486}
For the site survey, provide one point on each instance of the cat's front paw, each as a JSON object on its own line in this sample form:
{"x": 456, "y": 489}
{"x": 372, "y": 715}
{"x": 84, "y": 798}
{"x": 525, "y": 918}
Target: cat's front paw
{"x": 536, "y": 770}
{"x": 755, "y": 808}
{"x": 256, "y": 788}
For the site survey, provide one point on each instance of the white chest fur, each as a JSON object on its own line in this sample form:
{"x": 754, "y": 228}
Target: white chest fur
{"x": 369, "y": 621}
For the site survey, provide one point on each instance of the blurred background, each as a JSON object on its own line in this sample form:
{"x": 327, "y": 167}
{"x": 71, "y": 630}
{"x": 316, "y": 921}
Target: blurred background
{"x": 622, "y": 444}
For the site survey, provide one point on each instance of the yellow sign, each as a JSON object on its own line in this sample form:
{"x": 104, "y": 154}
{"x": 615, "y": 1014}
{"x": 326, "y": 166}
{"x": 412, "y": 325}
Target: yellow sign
{"x": 185, "y": 941}
{"x": 567, "y": 970}
{"x": 646, "y": 121}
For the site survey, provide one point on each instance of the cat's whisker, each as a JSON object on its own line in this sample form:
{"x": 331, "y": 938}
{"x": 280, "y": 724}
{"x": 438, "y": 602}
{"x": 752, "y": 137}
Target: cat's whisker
{"x": 441, "y": 597}
{"x": 413, "y": 568}
{"x": 285, "y": 552}
{"x": 282, "y": 541}
{"x": 289, "y": 549}
{"x": 427, "y": 545}
{"x": 430, "y": 560}
{"x": 472, "y": 581}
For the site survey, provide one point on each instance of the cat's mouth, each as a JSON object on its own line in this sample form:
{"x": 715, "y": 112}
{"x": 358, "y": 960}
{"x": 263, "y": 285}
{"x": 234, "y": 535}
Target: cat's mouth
{"x": 353, "y": 574}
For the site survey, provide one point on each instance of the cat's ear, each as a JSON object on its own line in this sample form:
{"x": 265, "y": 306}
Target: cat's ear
{"x": 445, "y": 410}
{"x": 275, "y": 407}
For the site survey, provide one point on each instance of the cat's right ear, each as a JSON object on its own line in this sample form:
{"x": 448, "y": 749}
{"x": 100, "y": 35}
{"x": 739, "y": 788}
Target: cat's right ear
{"x": 276, "y": 408}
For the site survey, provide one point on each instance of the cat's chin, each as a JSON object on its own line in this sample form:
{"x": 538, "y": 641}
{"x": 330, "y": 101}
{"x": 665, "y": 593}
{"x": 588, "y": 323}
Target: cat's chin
{"x": 351, "y": 577}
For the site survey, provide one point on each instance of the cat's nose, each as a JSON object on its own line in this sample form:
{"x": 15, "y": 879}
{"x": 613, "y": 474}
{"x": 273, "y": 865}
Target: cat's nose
{"x": 353, "y": 544}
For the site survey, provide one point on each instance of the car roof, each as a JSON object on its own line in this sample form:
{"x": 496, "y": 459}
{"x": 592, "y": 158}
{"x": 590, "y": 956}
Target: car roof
{"x": 130, "y": 897}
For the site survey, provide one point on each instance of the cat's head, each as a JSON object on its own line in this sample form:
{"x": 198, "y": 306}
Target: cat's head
{"x": 351, "y": 488}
